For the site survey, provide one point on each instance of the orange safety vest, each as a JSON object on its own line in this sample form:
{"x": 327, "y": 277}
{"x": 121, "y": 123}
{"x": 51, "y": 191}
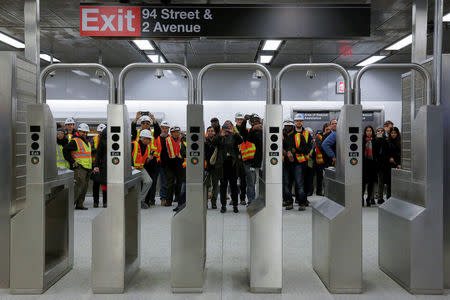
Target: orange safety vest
{"x": 83, "y": 154}
{"x": 301, "y": 157}
{"x": 156, "y": 148}
{"x": 248, "y": 150}
{"x": 173, "y": 148}
{"x": 96, "y": 140}
{"x": 319, "y": 156}
{"x": 184, "y": 161}
{"x": 139, "y": 160}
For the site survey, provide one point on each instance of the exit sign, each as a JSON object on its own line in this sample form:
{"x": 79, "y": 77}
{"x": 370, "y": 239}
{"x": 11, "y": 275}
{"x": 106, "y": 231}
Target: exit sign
{"x": 340, "y": 87}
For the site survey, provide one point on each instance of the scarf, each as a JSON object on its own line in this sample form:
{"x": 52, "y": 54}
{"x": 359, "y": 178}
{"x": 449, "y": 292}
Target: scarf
{"x": 368, "y": 152}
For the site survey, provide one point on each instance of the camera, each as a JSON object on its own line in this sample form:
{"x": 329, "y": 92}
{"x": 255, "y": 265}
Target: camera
{"x": 52, "y": 74}
{"x": 145, "y": 113}
{"x": 310, "y": 74}
{"x": 99, "y": 74}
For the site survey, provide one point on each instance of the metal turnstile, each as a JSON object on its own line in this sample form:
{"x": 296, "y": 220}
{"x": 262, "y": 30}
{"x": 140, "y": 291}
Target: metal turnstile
{"x": 188, "y": 231}
{"x": 42, "y": 232}
{"x": 410, "y": 223}
{"x": 116, "y": 230}
{"x": 337, "y": 217}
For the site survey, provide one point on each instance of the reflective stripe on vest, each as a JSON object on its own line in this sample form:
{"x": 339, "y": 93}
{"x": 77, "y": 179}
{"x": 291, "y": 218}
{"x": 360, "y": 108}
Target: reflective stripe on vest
{"x": 172, "y": 149}
{"x": 139, "y": 159}
{"x": 60, "y": 161}
{"x": 96, "y": 140}
{"x": 184, "y": 161}
{"x": 319, "y": 156}
{"x": 248, "y": 151}
{"x": 83, "y": 154}
{"x": 156, "y": 148}
{"x": 300, "y": 157}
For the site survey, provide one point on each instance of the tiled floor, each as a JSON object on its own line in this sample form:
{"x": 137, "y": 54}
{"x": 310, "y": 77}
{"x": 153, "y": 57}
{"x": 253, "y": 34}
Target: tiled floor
{"x": 226, "y": 261}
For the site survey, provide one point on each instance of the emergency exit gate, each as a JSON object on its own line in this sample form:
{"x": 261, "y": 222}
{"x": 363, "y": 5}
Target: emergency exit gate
{"x": 265, "y": 213}
{"x": 337, "y": 217}
{"x": 410, "y": 223}
{"x": 42, "y": 241}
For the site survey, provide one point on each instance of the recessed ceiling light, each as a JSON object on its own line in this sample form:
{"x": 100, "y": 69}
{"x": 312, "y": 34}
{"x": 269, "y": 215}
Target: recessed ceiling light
{"x": 271, "y": 45}
{"x": 265, "y": 59}
{"x": 446, "y": 18}
{"x": 155, "y": 58}
{"x": 11, "y": 41}
{"x": 48, "y": 58}
{"x": 370, "y": 60}
{"x": 401, "y": 44}
{"x": 143, "y": 45}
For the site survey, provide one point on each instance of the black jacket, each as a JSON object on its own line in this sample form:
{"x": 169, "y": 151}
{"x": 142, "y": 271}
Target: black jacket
{"x": 101, "y": 157}
{"x": 286, "y": 148}
{"x": 255, "y": 137}
{"x": 304, "y": 148}
{"x": 228, "y": 149}
{"x": 165, "y": 160}
{"x": 210, "y": 146}
{"x": 395, "y": 151}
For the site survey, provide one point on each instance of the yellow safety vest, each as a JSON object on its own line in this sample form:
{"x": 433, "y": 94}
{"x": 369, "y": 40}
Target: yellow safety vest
{"x": 60, "y": 161}
{"x": 319, "y": 156}
{"x": 300, "y": 157}
{"x": 96, "y": 140}
{"x": 83, "y": 154}
{"x": 139, "y": 160}
{"x": 248, "y": 150}
{"x": 172, "y": 151}
{"x": 184, "y": 161}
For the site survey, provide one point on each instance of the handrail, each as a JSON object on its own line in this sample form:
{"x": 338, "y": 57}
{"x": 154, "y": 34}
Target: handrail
{"x": 164, "y": 66}
{"x": 314, "y": 66}
{"x": 425, "y": 75}
{"x": 59, "y": 66}
{"x": 233, "y": 66}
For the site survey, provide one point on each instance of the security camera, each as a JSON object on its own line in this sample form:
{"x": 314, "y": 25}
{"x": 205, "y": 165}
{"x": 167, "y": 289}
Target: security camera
{"x": 159, "y": 73}
{"x": 310, "y": 74}
{"x": 99, "y": 74}
{"x": 52, "y": 74}
{"x": 184, "y": 75}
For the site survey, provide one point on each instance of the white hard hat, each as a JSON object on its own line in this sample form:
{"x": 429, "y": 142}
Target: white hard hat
{"x": 144, "y": 119}
{"x": 239, "y": 115}
{"x": 165, "y": 124}
{"x": 69, "y": 121}
{"x": 175, "y": 128}
{"x": 83, "y": 127}
{"x": 299, "y": 117}
{"x": 100, "y": 127}
{"x": 145, "y": 134}
{"x": 288, "y": 123}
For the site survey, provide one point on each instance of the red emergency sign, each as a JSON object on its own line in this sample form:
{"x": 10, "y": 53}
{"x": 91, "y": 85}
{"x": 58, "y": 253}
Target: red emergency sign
{"x": 110, "y": 21}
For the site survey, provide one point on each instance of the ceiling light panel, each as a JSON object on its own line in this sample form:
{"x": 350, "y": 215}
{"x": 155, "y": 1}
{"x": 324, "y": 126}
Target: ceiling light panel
{"x": 265, "y": 59}
{"x": 370, "y": 60}
{"x": 144, "y": 45}
{"x": 10, "y": 41}
{"x": 401, "y": 44}
{"x": 271, "y": 45}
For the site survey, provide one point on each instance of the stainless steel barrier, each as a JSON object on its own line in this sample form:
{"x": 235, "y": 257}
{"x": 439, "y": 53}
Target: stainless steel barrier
{"x": 336, "y": 218}
{"x": 410, "y": 223}
{"x": 265, "y": 213}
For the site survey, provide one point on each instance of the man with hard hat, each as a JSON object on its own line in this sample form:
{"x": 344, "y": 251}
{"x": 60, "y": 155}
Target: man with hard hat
{"x": 141, "y": 154}
{"x": 70, "y": 128}
{"x": 145, "y": 121}
{"x": 162, "y": 134}
{"x": 61, "y": 141}
{"x": 96, "y": 184}
{"x": 288, "y": 164}
{"x": 241, "y": 128}
{"x": 78, "y": 153}
{"x": 172, "y": 162}
{"x": 300, "y": 145}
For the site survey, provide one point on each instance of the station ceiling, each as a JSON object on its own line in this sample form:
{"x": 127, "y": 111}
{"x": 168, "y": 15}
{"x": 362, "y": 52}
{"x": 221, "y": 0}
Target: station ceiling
{"x": 390, "y": 21}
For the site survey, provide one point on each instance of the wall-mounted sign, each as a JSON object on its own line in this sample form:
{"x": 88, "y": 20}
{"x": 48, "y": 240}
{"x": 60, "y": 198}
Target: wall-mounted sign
{"x": 317, "y": 116}
{"x": 236, "y": 21}
{"x": 340, "y": 87}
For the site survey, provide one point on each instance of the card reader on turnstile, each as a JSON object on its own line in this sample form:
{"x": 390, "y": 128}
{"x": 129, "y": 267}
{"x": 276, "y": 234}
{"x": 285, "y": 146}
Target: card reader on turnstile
{"x": 42, "y": 232}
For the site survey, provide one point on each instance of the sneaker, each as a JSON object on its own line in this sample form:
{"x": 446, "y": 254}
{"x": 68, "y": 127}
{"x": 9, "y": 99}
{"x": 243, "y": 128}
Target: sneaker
{"x": 214, "y": 206}
{"x": 144, "y": 205}
{"x": 243, "y": 202}
{"x": 163, "y": 202}
{"x": 223, "y": 210}
{"x": 301, "y": 208}
{"x": 235, "y": 209}
{"x": 289, "y": 207}
{"x": 81, "y": 207}
{"x": 95, "y": 205}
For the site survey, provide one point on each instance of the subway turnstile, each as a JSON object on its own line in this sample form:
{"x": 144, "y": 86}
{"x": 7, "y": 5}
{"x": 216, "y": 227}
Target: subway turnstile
{"x": 116, "y": 230}
{"x": 42, "y": 232}
{"x": 410, "y": 223}
{"x": 337, "y": 217}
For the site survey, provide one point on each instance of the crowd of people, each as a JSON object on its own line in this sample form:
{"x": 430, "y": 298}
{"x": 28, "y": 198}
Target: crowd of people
{"x": 233, "y": 160}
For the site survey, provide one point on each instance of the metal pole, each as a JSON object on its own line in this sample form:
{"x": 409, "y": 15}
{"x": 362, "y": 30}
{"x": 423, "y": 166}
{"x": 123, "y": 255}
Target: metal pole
{"x": 62, "y": 66}
{"x": 32, "y": 36}
{"x": 314, "y": 66}
{"x": 165, "y": 66}
{"x": 437, "y": 50}
{"x": 231, "y": 66}
{"x": 426, "y": 76}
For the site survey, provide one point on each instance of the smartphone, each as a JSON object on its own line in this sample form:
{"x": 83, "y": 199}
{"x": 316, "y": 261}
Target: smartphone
{"x": 145, "y": 113}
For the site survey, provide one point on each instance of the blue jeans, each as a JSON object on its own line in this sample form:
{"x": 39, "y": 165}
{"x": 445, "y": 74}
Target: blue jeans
{"x": 250, "y": 179}
{"x": 299, "y": 175}
{"x": 288, "y": 181}
{"x": 162, "y": 190}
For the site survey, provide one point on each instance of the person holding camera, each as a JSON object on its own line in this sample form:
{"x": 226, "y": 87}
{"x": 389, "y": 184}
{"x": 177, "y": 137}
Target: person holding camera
{"x": 141, "y": 154}
{"x": 229, "y": 152}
